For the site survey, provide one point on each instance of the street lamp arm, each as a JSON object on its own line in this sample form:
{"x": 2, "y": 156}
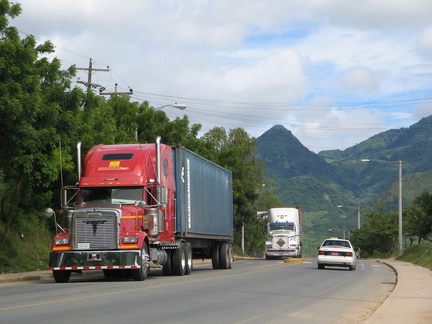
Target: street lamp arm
{"x": 382, "y": 161}
{"x": 341, "y": 206}
{"x": 176, "y": 105}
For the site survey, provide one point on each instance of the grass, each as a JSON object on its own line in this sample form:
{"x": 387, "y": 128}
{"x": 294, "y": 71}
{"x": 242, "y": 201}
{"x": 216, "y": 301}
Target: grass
{"x": 420, "y": 254}
{"x": 30, "y": 253}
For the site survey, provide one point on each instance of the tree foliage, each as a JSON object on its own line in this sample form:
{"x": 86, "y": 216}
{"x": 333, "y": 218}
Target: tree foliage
{"x": 32, "y": 92}
{"x": 418, "y": 217}
{"x": 379, "y": 232}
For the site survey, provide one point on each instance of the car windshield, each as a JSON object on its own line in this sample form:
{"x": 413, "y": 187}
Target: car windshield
{"x": 339, "y": 243}
{"x": 111, "y": 195}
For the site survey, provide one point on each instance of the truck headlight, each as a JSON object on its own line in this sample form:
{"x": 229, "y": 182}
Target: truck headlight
{"x": 61, "y": 241}
{"x": 130, "y": 239}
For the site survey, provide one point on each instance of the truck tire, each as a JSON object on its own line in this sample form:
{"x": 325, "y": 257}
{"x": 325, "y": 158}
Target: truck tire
{"x": 179, "y": 261}
{"x": 141, "y": 273}
{"x": 61, "y": 276}
{"x": 215, "y": 256}
{"x": 188, "y": 255}
{"x": 167, "y": 267}
{"x": 224, "y": 256}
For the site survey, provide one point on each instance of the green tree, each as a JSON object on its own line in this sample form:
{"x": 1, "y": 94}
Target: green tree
{"x": 379, "y": 232}
{"x": 418, "y": 217}
{"x": 32, "y": 92}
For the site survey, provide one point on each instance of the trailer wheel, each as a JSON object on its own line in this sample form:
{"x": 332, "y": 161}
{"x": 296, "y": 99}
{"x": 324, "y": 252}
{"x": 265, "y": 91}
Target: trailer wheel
{"x": 167, "y": 267}
{"x": 215, "y": 256}
{"x": 224, "y": 256}
{"x": 188, "y": 255}
{"x": 179, "y": 261}
{"x": 61, "y": 276}
{"x": 142, "y": 273}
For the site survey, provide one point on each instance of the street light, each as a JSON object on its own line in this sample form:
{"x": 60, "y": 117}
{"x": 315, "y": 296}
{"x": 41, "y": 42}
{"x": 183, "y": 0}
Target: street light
{"x": 358, "y": 213}
{"x": 399, "y": 165}
{"x": 176, "y": 105}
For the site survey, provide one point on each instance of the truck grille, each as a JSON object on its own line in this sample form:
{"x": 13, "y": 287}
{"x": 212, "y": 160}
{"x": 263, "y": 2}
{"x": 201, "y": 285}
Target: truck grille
{"x": 95, "y": 230}
{"x": 280, "y": 242}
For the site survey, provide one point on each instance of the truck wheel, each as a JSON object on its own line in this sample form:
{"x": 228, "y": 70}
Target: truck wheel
{"x": 188, "y": 255}
{"x": 142, "y": 273}
{"x": 167, "y": 267}
{"x": 215, "y": 256}
{"x": 224, "y": 256}
{"x": 179, "y": 261}
{"x": 61, "y": 276}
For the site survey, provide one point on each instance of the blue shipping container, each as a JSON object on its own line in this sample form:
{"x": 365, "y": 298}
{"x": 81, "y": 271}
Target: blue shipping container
{"x": 204, "y": 206}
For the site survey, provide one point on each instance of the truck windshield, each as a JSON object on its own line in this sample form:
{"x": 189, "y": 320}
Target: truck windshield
{"x": 281, "y": 227}
{"x": 111, "y": 195}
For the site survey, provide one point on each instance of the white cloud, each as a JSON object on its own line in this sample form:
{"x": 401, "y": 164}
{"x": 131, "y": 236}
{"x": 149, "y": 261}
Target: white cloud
{"x": 361, "y": 80}
{"x": 425, "y": 40}
{"x": 308, "y": 64}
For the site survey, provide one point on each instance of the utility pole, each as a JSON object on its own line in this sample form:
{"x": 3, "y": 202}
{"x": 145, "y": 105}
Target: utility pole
{"x": 90, "y": 70}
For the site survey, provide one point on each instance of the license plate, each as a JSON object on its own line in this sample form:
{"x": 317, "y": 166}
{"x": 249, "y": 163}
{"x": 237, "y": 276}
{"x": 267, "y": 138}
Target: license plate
{"x": 93, "y": 257}
{"x": 83, "y": 246}
{"x": 335, "y": 253}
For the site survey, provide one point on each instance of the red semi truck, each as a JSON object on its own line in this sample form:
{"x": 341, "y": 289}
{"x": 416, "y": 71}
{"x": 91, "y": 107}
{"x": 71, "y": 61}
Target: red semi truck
{"x": 142, "y": 205}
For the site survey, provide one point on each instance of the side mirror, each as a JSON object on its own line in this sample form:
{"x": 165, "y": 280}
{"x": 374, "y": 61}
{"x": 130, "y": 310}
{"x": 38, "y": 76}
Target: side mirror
{"x": 49, "y": 212}
{"x": 140, "y": 204}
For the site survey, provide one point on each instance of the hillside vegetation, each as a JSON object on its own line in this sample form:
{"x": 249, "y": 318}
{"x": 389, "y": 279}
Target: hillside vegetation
{"x": 319, "y": 183}
{"x": 418, "y": 254}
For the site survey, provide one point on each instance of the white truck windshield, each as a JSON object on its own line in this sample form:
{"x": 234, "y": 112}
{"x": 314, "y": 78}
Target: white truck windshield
{"x": 281, "y": 227}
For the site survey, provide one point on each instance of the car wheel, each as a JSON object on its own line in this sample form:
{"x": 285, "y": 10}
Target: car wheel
{"x": 320, "y": 266}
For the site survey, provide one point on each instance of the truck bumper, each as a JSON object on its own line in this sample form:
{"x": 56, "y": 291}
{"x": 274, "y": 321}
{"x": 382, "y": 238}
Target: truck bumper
{"x": 92, "y": 260}
{"x": 293, "y": 253}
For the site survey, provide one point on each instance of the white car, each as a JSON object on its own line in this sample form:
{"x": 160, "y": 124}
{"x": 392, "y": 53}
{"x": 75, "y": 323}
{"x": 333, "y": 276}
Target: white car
{"x": 336, "y": 252}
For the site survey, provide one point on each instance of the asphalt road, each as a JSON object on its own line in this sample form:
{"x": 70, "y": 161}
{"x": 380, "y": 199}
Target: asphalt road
{"x": 254, "y": 291}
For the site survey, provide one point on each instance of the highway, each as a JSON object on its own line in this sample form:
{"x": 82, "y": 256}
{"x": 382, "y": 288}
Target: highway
{"x": 253, "y": 291}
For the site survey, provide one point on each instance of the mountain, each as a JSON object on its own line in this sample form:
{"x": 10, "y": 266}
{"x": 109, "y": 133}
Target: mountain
{"x": 319, "y": 183}
{"x": 285, "y": 157}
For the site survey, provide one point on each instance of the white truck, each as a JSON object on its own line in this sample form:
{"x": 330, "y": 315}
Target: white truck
{"x": 284, "y": 233}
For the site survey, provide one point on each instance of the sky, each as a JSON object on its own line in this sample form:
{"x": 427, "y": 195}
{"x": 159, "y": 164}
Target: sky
{"x": 333, "y": 72}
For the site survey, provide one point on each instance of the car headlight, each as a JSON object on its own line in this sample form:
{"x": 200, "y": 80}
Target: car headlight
{"x": 130, "y": 239}
{"x": 61, "y": 241}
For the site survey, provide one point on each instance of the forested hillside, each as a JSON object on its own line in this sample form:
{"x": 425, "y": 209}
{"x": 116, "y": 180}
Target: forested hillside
{"x": 319, "y": 183}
